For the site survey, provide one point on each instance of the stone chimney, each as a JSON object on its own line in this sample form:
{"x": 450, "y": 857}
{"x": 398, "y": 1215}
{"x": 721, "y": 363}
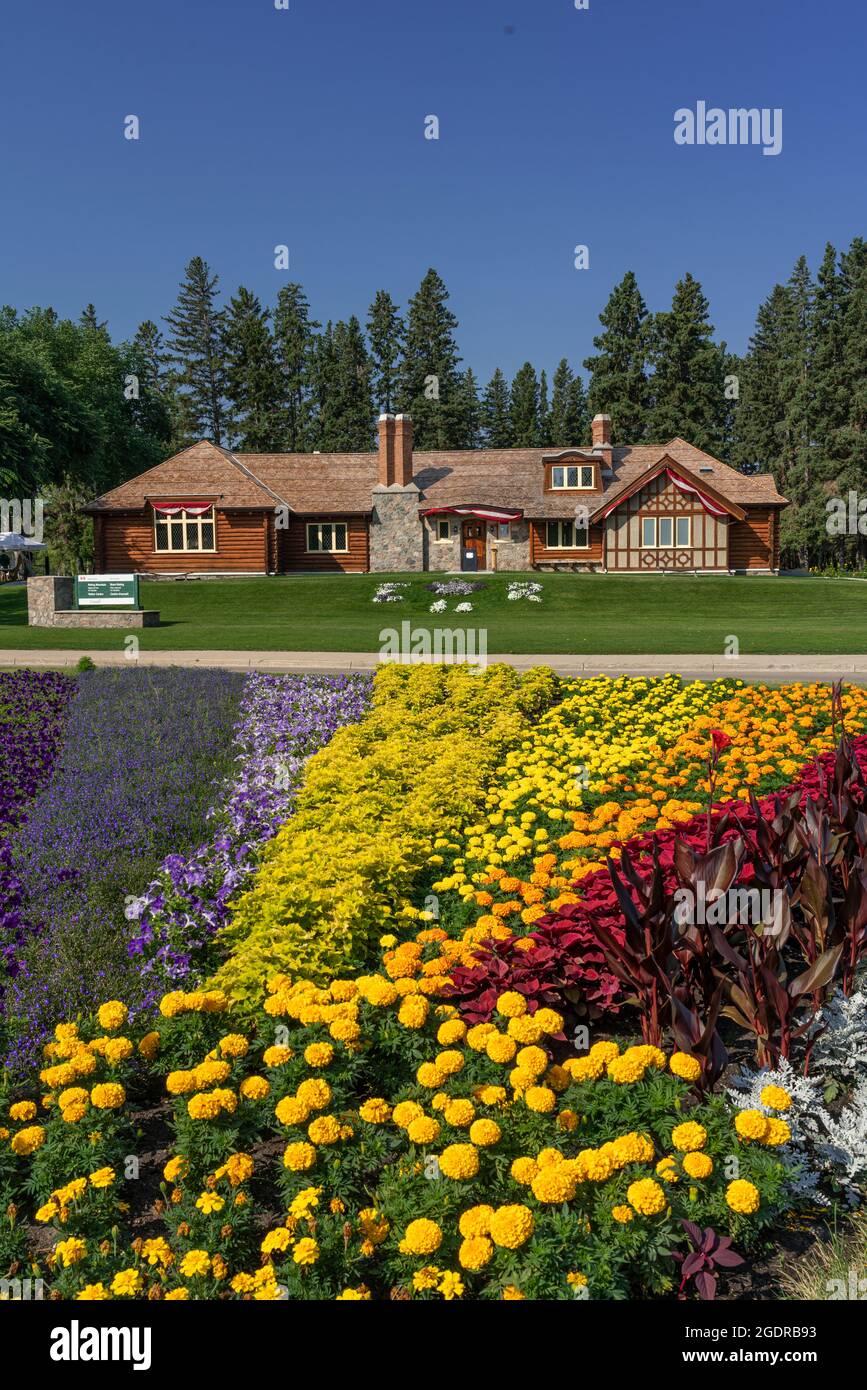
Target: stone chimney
{"x": 403, "y": 449}
{"x": 385, "y": 473}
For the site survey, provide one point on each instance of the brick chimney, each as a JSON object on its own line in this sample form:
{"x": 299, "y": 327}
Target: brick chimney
{"x": 403, "y": 450}
{"x": 385, "y": 474}
{"x": 601, "y": 428}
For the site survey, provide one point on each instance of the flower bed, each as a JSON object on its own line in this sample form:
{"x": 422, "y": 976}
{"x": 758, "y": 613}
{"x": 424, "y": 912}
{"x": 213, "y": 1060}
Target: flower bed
{"x": 134, "y": 780}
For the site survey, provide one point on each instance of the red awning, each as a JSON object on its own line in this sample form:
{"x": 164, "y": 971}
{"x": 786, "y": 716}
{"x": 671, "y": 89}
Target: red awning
{"x": 173, "y": 508}
{"x": 485, "y": 513}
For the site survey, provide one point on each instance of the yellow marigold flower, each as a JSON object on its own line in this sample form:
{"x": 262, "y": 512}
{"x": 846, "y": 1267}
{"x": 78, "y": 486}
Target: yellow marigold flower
{"x": 108, "y": 1096}
{"x": 103, "y": 1177}
{"x": 48, "y": 1211}
{"x": 254, "y": 1088}
{"x": 511, "y": 1294}
{"x": 533, "y": 1059}
{"x": 751, "y": 1124}
{"x": 277, "y": 1056}
{"x": 195, "y": 1263}
{"x": 689, "y": 1136}
{"x": 511, "y": 1226}
{"x": 524, "y": 1170}
{"x": 209, "y": 1202}
{"x": 157, "y": 1252}
{"x": 475, "y": 1252}
{"x": 304, "y": 1201}
{"x": 353, "y": 1296}
{"x": 483, "y": 1133}
{"x": 551, "y": 1155}
{"x": 525, "y": 1029}
{"x": 345, "y": 1030}
{"x": 625, "y": 1070}
{"x": 429, "y": 1075}
{"x": 405, "y": 1112}
{"x": 622, "y": 1214}
{"x": 604, "y": 1052}
{"x": 778, "y": 1132}
{"x": 314, "y": 1093}
{"x": 299, "y": 1157}
{"x": 374, "y": 1227}
{"x": 278, "y": 1239}
{"x": 413, "y": 1012}
{"x": 742, "y": 1196}
{"x": 319, "y": 1054}
{"x": 291, "y": 1111}
{"x": 92, "y": 1293}
{"x": 450, "y": 1062}
{"x": 647, "y": 1197}
{"x": 27, "y": 1141}
{"x": 667, "y": 1169}
{"x": 422, "y": 1237}
{"x": 584, "y": 1068}
{"x": 127, "y": 1283}
{"x": 475, "y": 1221}
{"x": 697, "y": 1165}
{"x": 540, "y": 1098}
{"x": 73, "y": 1095}
{"x": 511, "y": 1004}
{"x": 178, "y": 1295}
{"x": 452, "y": 1031}
{"x": 112, "y": 1015}
{"x": 175, "y": 1169}
{"x": 426, "y": 1278}
{"x": 325, "y": 1129}
{"x": 775, "y": 1098}
{"x": 149, "y": 1046}
{"x": 423, "y": 1130}
{"x": 459, "y": 1161}
{"x": 23, "y": 1110}
{"x": 549, "y": 1020}
{"x": 70, "y": 1251}
{"x": 686, "y": 1067}
{"x": 490, "y": 1095}
{"x": 576, "y": 1279}
{"x": 651, "y": 1056}
{"x": 478, "y": 1035}
{"x": 117, "y": 1050}
{"x": 459, "y": 1112}
{"x": 501, "y": 1048}
{"x": 555, "y": 1184}
{"x": 450, "y": 1286}
{"x": 375, "y": 1111}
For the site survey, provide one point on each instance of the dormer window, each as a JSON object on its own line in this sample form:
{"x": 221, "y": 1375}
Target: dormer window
{"x": 572, "y": 476}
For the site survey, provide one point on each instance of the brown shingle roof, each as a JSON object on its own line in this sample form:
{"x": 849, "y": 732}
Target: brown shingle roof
{"x": 342, "y": 483}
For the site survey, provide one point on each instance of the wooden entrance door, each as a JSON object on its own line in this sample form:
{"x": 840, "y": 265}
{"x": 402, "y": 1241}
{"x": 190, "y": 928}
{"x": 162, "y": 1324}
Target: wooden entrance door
{"x": 474, "y": 538}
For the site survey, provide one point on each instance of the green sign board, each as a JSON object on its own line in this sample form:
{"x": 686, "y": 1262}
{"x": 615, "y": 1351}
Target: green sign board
{"x": 107, "y": 591}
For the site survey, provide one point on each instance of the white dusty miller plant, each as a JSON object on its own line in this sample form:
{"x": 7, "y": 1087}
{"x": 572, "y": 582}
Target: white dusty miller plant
{"x": 822, "y": 1146}
{"x": 840, "y": 1049}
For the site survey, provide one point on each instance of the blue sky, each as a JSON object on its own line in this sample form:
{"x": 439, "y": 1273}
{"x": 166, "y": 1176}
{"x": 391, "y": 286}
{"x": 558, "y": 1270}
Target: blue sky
{"x": 306, "y": 127}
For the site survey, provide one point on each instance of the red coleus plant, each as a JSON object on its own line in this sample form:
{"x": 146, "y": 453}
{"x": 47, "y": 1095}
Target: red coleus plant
{"x": 709, "y": 1253}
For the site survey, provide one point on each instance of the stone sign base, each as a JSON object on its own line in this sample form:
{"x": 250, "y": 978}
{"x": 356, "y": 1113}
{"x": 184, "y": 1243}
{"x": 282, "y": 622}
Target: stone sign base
{"x": 49, "y": 604}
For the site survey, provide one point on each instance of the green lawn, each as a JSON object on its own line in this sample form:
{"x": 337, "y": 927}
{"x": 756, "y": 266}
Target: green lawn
{"x": 579, "y": 613}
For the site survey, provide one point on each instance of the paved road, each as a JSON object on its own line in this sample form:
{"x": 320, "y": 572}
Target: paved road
{"x": 852, "y": 668}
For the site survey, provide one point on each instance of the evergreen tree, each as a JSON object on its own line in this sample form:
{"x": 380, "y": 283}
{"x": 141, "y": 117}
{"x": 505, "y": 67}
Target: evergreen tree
{"x": 89, "y": 320}
{"x": 342, "y": 375}
{"x": 295, "y": 347}
{"x": 470, "y": 411}
{"x": 847, "y": 444}
{"x": 429, "y": 376}
{"x": 688, "y": 388}
{"x": 524, "y": 408}
{"x": 253, "y": 384}
{"x": 619, "y": 384}
{"x": 195, "y": 349}
{"x": 569, "y": 424}
{"x": 153, "y": 406}
{"x": 385, "y": 334}
{"x": 496, "y": 414}
{"x": 544, "y": 410}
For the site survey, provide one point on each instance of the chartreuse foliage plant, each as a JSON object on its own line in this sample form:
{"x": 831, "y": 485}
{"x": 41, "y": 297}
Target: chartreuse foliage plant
{"x": 360, "y": 1141}
{"x": 416, "y": 768}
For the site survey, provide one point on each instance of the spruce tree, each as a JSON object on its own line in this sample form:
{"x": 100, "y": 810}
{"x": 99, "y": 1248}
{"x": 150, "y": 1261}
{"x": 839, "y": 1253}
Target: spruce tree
{"x": 619, "y": 384}
{"x": 496, "y": 415}
{"x": 544, "y": 411}
{"x": 342, "y": 385}
{"x": 569, "y": 425}
{"x": 385, "y": 332}
{"x": 469, "y": 410}
{"x": 89, "y": 320}
{"x": 253, "y": 385}
{"x": 153, "y": 408}
{"x": 524, "y": 408}
{"x": 195, "y": 350}
{"x": 294, "y": 345}
{"x": 689, "y": 371}
{"x": 429, "y": 375}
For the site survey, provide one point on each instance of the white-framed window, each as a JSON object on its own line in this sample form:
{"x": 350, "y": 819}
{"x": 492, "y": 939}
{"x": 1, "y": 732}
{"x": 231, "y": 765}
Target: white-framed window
{"x": 504, "y": 531}
{"x": 327, "y": 537}
{"x": 443, "y": 529}
{"x": 566, "y": 535}
{"x": 185, "y": 531}
{"x": 572, "y": 476}
{"x": 666, "y": 532}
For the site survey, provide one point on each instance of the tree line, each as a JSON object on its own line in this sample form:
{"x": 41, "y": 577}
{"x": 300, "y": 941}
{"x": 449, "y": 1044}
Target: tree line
{"x": 80, "y": 413}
